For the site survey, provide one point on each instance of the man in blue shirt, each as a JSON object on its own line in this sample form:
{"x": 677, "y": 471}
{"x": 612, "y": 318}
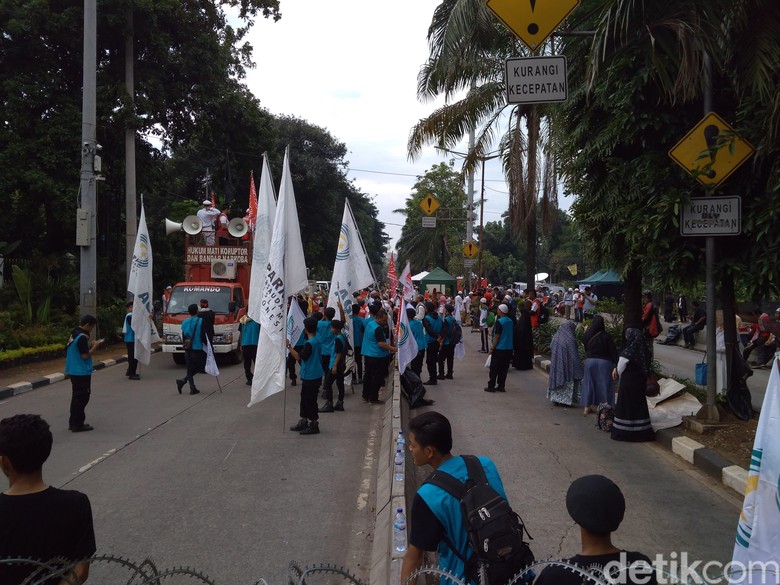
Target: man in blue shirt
{"x": 311, "y": 377}
{"x": 433, "y": 341}
{"x": 194, "y": 355}
{"x": 375, "y": 350}
{"x": 358, "y": 327}
{"x": 78, "y": 365}
{"x": 127, "y": 329}
{"x": 250, "y": 333}
{"x": 447, "y": 351}
{"x": 437, "y": 518}
{"x": 501, "y": 350}
{"x": 416, "y": 327}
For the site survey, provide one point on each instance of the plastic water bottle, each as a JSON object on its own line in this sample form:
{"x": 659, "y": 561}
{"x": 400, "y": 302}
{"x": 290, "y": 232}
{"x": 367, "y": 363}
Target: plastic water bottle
{"x": 398, "y": 463}
{"x": 400, "y": 441}
{"x": 399, "y": 530}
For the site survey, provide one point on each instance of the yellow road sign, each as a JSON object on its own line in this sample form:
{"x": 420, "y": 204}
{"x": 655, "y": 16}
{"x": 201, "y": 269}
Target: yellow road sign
{"x": 532, "y": 21}
{"x": 470, "y": 250}
{"x": 429, "y": 205}
{"x": 711, "y": 151}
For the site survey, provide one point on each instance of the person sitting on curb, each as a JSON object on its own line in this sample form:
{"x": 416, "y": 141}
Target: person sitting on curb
{"x": 597, "y": 505}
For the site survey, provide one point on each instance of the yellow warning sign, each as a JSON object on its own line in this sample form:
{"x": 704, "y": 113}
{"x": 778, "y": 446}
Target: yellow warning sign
{"x": 532, "y": 21}
{"x": 711, "y": 151}
{"x": 429, "y": 205}
{"x": 470, "y": 250}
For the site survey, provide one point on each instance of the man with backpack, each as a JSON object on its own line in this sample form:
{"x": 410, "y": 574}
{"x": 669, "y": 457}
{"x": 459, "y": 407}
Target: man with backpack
{"x": 452, "y": 338}
{"x": 441, "y": 520}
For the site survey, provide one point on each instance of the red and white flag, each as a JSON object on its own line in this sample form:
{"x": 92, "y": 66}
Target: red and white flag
{"x": 406, "y": 281}
{"x": 251, "y": 217}
{"x": 392, "y": 276}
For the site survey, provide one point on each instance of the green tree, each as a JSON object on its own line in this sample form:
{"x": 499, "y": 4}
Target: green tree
{"x": 637, "y": 88}
{"x": 426, "y": 248}
{"x": 468, "y": 47}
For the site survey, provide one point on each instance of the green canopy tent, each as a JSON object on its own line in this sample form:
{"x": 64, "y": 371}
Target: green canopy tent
{"x": 605, "y": 283}
{"x": 438, "y": 279}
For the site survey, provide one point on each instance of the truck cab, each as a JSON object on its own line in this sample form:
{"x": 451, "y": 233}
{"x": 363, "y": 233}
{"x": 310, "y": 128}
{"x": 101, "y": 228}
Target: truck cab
{"x": 219, "y": 274}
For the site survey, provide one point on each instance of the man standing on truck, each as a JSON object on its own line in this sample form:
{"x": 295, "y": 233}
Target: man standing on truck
{"x": 208, "y": 216}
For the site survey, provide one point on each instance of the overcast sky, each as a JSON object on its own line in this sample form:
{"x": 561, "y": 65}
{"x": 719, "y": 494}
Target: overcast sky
{"x": 351, "y": 67}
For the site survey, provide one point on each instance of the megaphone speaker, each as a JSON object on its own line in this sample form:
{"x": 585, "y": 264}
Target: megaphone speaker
{"x": 172, "y": 227}
{"x": 237, "y": 227}
{"x": 192, "y": 225}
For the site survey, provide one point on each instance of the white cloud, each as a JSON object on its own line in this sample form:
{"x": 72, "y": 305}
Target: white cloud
{"x": 351, "y": 67}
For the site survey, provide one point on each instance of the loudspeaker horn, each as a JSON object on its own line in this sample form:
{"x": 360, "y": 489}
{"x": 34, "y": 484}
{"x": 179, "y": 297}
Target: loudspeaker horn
{"x": 172, "y": 227}
{"x": 237, "y": 227}
{"x": 192, "y": 225}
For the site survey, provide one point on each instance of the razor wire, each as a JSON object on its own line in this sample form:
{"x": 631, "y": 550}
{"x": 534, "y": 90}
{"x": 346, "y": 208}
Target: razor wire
{"x": 117, "y": 570}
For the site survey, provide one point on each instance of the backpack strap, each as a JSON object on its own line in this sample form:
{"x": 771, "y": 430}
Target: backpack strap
{"x": 457, "y": 489}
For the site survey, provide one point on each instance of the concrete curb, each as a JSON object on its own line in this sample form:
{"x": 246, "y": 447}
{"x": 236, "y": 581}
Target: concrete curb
{"x": 35, "y": 383}
{"x": 701, "y": 457}
{"x": 390, "y": 494}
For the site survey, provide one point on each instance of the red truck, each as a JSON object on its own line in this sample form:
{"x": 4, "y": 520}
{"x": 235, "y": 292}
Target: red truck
{"x": 220, "y": 274}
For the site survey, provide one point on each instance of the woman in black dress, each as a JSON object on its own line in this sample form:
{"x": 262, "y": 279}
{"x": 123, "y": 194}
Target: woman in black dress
{"x": 523, "y": 355}
{"x": 632, "y": 418}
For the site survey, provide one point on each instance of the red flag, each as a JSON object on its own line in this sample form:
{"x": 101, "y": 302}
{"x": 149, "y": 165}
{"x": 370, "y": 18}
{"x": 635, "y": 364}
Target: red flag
{"x": 213, "y": 200}
{"x": 392, "y": 275}
{"x": 251, "y": 217}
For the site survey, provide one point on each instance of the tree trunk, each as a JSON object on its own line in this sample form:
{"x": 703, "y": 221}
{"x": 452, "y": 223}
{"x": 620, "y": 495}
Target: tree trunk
{"x": 632, "y": 299}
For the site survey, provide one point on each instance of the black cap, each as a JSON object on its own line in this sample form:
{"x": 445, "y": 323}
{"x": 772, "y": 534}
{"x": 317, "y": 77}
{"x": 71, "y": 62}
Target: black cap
{"x": 596, "y": 503}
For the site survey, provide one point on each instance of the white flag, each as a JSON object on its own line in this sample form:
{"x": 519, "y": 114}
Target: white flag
{"x": 407, "y": 344}
{"x": 406, "y": 281}
{"x": 211, "y": 363}
{"x": 351, "y": 271}
{"x": 140, "y": 285}
{"x": 282, "y": 279}
{"x": 261, "y": 246}
{"x": 758, "y": 529}
{"x": 295, "y": 319}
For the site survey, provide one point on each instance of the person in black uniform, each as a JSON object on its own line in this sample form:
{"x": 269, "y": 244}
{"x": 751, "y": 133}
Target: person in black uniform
{"x": 597, "y": 505}
{"x": 38, "y": 521}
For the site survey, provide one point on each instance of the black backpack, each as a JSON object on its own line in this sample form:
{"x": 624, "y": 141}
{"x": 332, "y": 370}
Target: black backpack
{"x": 544, "y": 314}
{"x": 495, "y": 531}
{"x": 456, "y": 334}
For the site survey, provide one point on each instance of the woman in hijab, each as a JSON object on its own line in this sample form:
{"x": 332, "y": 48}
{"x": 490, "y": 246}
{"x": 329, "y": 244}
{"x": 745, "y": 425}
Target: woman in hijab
{"x": 601, "y": 357}
{"x": 565, "y": 367}
{"x": 632, "y": 419}
{"x": 523, "y": 358}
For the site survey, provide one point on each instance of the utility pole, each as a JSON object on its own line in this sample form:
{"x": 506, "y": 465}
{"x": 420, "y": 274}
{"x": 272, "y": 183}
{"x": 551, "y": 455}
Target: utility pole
{"x": 710, "y": 410}
{"x": 130, "y": 183}
{"x": 86, "y": 219}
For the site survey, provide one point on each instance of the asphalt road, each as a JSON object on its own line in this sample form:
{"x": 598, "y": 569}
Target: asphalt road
{"x": 204, "y": 481}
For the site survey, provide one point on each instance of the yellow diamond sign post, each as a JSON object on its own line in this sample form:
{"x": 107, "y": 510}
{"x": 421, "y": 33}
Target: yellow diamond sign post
{"x": 711, "y": 151}
{"x": 429, "y": 205}
{"x": 470, "y": 250}
{"x": 532, "y": 21}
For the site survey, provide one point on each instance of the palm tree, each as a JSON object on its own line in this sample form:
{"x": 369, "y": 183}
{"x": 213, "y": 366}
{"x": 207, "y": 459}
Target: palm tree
{"x": 468, "y": 48}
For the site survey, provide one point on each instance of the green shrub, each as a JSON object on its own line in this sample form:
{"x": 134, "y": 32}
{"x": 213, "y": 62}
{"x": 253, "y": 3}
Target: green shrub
{"x": 40, "y": 334}
{"x": 110, "y": 316}
{"x": 14, "y": 354}
{"x": 8, "y": 339}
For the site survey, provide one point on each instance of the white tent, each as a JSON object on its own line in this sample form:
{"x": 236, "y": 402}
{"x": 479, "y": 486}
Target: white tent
{"x": 420, "y": 276}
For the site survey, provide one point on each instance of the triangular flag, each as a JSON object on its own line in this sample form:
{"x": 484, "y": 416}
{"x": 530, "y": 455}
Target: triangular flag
{"x": 283, "y": 278}
{"x": 140, "y": 285}
{"x": 407, "y": 344}
{"x": 261, "y": 245}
